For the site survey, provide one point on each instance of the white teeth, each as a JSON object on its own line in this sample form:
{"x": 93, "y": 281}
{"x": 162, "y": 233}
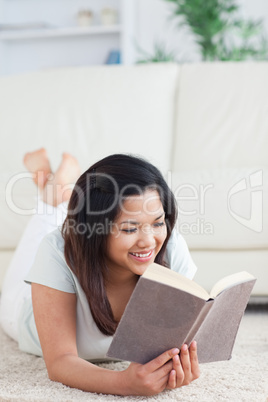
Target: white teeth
{"x": 141, "y": 255}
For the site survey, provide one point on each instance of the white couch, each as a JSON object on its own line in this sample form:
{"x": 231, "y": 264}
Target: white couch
{"x": 204, "y": 125}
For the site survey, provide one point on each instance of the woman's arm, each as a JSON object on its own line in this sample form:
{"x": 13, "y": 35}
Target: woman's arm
{"x": 55, "y": 317}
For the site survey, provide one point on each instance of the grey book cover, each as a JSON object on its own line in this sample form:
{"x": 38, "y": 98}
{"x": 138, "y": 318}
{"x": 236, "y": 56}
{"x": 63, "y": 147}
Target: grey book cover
{"x": 159, "y": 317}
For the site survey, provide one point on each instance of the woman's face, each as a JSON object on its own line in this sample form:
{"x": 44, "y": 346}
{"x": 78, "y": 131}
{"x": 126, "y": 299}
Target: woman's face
{"x": 137, "y": 235}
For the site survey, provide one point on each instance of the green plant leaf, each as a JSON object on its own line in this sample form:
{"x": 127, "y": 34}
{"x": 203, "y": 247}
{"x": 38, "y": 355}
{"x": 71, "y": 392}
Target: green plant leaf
{"x": 220, "y": 34}
{"x": 160, "y": 54}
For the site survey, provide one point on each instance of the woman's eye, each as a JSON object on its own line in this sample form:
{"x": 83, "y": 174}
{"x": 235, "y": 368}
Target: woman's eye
{"x": 158, "y": 224}
{"x": 129, "y": 230}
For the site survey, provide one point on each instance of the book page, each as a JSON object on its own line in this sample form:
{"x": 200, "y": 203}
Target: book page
{"x": 165, "y": 275}
{"x": 229, "y": 281}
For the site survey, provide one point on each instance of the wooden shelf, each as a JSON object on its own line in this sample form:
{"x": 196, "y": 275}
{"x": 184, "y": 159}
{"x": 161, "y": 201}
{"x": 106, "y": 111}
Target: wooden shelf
{"x": 59, "y": 32}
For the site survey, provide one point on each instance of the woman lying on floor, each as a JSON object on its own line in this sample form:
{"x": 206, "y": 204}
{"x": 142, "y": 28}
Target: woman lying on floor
{"x": 120, "y": 218}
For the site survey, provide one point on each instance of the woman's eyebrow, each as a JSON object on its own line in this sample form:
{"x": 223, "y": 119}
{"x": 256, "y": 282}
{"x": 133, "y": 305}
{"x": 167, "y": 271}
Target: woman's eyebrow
{"x": 138, "y": 223}
{"x": 130, "y": 221}
{"x": 160, "y": 216}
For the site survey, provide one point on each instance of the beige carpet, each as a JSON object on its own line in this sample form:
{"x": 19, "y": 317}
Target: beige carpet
{"x": 244, "y": 378}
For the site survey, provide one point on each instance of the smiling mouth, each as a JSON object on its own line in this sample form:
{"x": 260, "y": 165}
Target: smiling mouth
{"x": 142, "y": 255}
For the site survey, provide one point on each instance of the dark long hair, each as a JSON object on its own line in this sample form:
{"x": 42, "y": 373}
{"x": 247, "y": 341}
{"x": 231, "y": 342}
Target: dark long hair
{"x": 94, "y": 205}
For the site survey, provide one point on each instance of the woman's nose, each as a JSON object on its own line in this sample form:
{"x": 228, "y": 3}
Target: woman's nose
{"x": 146, "y": 237}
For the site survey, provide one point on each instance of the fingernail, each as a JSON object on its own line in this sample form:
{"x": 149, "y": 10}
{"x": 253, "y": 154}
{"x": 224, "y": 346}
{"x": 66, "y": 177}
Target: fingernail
{"x": 194, "y": 344}
{"x": 184, "y": 347}
{"x": 175, "y": 351}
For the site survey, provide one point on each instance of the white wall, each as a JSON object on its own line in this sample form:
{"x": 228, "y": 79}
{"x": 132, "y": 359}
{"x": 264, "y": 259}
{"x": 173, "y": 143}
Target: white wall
{"x": 145, "y": 22}
{"x": 58, "y": 12}
{"x": 19, "y": 56}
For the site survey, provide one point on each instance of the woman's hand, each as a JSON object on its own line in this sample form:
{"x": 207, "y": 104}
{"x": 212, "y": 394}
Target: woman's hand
{"x": 185, "y": 367}
{"x": 167, "y": 371}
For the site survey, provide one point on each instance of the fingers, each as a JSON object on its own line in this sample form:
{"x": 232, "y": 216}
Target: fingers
{"x": 173, "y": 370}
{"x": 152, "y": 378}
{"x": 160, "y": 360}
{"x": 179, "y": 370}
{"x": 194, "y": 360}
{"x": 172, "y": 380}
{"x": 176, "y": 376}
{"x": 186, "y": 367}
{"x": 167, "y": 371}
{"x": 189, "y": 363}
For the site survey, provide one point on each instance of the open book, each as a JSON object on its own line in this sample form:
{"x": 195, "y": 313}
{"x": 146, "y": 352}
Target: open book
{"x": 167, "y": 310}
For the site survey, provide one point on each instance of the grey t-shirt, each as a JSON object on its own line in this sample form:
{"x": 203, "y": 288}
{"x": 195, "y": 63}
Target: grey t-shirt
{"x": 50, "y": 269}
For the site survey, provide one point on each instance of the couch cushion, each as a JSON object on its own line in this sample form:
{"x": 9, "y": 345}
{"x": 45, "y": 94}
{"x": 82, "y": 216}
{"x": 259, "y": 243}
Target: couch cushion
{"x": 90, "y": 112}
{"x": 222, "y": 116}
{"x": 213, "y": 265}
{"x": 223, "y": 208}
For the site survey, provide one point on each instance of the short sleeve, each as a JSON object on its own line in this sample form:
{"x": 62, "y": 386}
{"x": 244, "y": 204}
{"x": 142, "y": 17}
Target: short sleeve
{"x": 178, "y": 256}
{"x": 50, "y": 268}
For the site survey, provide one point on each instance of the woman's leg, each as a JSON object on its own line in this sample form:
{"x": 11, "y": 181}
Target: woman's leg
{"x": 51, "y": 211}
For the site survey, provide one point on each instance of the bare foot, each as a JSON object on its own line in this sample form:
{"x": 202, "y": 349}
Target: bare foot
{"x": 38, "y": 164}
{"x": 59, "y": 187}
